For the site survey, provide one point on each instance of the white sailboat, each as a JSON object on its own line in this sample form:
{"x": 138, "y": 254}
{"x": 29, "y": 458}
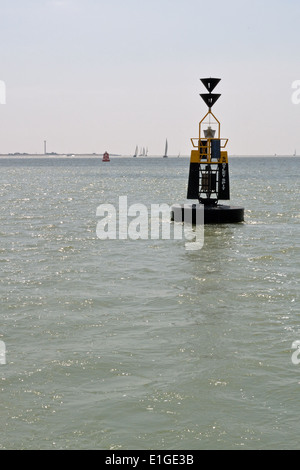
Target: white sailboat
{"x": 166, "y": 149}
{"x": 136, "y": 151}
{"x": 143, "y": 152}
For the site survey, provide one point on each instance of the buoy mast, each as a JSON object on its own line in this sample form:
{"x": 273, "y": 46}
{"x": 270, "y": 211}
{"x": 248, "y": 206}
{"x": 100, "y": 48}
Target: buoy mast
{"x": 209, "y": 173}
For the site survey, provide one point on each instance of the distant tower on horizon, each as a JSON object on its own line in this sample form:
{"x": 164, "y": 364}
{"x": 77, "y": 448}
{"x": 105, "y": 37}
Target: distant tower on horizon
{"x": 45, "y": 147}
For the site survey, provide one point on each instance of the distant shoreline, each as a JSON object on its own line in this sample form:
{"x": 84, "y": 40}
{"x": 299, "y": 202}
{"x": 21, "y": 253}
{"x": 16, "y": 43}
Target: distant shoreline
{"x": 99, "y": 155}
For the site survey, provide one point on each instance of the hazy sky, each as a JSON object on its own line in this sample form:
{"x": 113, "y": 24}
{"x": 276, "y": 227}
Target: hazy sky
{"x": 95, "y": 75}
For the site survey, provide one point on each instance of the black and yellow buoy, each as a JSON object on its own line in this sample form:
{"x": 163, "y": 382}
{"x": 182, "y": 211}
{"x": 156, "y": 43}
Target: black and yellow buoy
{"x": 209, "y": 173}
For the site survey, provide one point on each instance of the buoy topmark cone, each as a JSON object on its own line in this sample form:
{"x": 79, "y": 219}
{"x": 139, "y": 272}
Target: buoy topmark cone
{"x": 209, "y": 170}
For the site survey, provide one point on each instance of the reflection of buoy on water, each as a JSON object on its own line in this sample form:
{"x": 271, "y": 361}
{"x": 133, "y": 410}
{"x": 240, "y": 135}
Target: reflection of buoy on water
{"x": 105, "y": 157}
{"x": 209, "y": 173}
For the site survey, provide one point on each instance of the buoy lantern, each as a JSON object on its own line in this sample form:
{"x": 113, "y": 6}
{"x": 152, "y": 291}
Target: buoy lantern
{"x": 209, "y": 171}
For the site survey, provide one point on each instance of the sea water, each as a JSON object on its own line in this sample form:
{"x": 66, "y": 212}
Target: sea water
{"x": 142, "y": 344}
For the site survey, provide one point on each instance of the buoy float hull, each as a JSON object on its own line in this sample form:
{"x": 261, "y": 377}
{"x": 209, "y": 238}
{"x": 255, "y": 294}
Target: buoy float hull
{"x": 214, "y": 214}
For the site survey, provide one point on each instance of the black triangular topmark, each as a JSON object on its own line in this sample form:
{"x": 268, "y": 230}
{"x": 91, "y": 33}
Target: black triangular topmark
{"x": 210, "y": 83}
{"x": 210, "y": 98}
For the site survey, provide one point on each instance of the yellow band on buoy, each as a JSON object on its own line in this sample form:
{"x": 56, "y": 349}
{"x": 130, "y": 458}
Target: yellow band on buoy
{"x": 195, "y": 156}
{"x": 224, "y": 157}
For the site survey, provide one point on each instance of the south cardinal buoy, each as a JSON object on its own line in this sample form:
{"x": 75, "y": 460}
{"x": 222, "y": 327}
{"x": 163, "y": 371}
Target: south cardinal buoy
{"x": 209, "y": 172}
{"x": 105, "y": 157}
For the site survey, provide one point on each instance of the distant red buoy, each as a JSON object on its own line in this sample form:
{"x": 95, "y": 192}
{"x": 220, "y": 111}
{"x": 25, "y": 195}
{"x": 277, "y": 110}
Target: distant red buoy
{"x": 105, "y": 157}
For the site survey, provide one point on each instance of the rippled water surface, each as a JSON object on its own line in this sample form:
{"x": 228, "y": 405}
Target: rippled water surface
{"x": 141, "y": 344}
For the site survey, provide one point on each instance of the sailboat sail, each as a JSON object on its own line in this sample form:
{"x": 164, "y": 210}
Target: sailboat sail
{"x": 136, "y": 151}
{"x": 166, "y": 149}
